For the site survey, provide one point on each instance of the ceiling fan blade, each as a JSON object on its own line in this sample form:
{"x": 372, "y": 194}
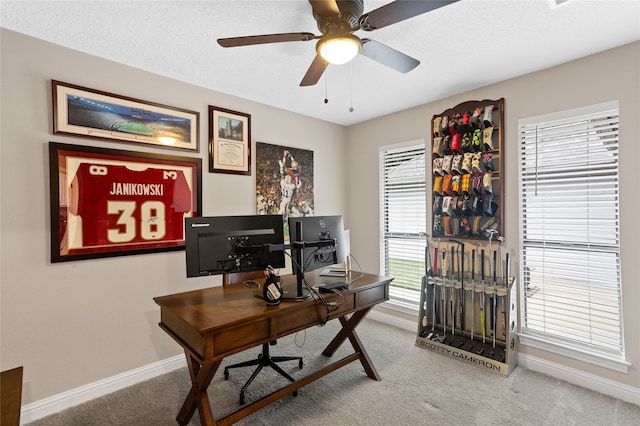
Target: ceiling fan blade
{"x": 399, "y": 11}
{"x": 264, "y": 39}
{"x": 314, "y": 72}
{"x": 388, "y": 56}
{"x": 325, "y": 7}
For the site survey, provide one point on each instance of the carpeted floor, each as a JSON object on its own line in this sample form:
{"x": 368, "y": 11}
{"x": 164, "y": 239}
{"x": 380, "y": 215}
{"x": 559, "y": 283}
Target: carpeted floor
{"x": 418, "y": 387}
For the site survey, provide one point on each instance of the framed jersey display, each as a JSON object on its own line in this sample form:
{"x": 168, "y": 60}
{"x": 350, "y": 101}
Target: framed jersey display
{"x": 107, "y": 202}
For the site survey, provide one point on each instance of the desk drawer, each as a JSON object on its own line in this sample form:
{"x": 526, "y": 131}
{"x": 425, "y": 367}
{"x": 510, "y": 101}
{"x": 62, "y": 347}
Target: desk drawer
{"x": 372, "y": 296}
{"x": 236, "y": 339}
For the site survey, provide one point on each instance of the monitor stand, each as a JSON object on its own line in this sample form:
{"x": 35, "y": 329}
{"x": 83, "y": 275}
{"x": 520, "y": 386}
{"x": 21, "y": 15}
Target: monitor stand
{"x": 293, "y": 292}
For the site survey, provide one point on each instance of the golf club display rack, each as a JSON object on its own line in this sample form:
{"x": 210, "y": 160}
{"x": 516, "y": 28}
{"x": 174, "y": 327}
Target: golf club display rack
{"x": 467, "y": 170}
{"x": 468, "y": 305}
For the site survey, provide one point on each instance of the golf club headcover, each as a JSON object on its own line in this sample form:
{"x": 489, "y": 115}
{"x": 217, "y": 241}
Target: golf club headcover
{"x": 487, "y": 161}
{"x": 464, "y": 123}
{"x": 444, "y": 126}
{"x": 437, "y": 131}
{"x": 455, "y": 140}
{"x": 475, "y": 117}
{"x": 475, "y": 228}
{"x": 438, "y": 228}
{"x": 466, "y": 207}
{"x": 476, "y": 140}
{"x": 446, "y": 144}
{"x": 446, "y": 164}
{"x": 437, "y": 184}
{"x": 477, "y": 205}
{"x": 465, "y": 225}
{"x": 477, "y": 183}
{"x": 487, "y": 118}
{"x": 455, "y": 226}
{"x": 487, "y": 138}
{"x": 490, "y": 226}
{"x": 456, "y": 205}
{"x": 446, "y": 184}
{"x": 490, "y": 207}
{"x": 476, "y": 163}
{"x": 487, "y": 182}
{"x": 455, "y": 185}
{"x": 466, "y": 184}
{"x": 456, "y": 164}
{"x": 447, "y": 207}
{"x": 438, "y": 149}
{"x": 437, "y": 166}
{"x": 466, "y": 163}
{"x": 447, "y": 225}
{"x": 437, "y": 204}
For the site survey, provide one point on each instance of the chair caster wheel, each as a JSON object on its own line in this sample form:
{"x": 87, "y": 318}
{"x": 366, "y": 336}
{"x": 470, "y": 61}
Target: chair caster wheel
{"x": 241, "y": 399}
{"x": 295, "y": 393}
{"x": 226, "y": 375}
{"x": 300, "y": 364}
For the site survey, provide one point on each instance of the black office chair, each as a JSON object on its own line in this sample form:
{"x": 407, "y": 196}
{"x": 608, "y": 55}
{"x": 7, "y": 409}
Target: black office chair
{"x": 264, "y": 359}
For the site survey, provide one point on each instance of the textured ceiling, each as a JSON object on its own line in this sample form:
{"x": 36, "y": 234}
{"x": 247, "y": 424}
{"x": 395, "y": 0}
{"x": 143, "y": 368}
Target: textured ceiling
{"x": 466, "y": 45}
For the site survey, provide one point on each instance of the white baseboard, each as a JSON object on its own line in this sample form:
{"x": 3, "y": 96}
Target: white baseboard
{"x": 44, "y": 407}
{"x": 577, "y": 377}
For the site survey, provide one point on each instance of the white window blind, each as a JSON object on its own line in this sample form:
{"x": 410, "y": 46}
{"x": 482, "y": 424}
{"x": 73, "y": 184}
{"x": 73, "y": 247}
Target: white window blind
{"x": 570, "y": 229}
{"x": 403, "y": 219}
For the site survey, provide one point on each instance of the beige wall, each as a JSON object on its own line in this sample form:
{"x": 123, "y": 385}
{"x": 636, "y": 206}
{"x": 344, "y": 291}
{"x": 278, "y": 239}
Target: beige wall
{"x": 74, "y": 323}
{"x": 611, "y": 75}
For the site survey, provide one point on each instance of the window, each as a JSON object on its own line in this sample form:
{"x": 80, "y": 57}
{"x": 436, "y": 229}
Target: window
{"x": 403, "y": 220}
{"x": 570, "y": 234}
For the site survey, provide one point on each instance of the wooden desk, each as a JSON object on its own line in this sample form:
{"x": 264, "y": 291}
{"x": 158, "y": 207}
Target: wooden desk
{"x": 10, "y": 396}
{"x": 213, "y": 323}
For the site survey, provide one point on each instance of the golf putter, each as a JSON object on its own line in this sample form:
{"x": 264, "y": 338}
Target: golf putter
{"x": 469, "y": 345}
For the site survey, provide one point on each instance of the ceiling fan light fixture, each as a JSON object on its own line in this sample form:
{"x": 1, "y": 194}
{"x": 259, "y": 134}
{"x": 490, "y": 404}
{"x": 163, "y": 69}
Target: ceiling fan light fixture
{"x": 339, "y": 49}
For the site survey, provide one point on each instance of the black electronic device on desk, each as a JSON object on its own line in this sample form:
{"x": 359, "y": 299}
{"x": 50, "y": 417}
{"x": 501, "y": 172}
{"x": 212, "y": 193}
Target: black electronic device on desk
{"x": 316, "y": 242}
{"x": 333, "y": 286}
{"x": 227, "y": 244}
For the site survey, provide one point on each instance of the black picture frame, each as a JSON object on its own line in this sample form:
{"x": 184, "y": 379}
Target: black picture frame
{"x": 229, "y": 141}
{"x": 107, "y": 202}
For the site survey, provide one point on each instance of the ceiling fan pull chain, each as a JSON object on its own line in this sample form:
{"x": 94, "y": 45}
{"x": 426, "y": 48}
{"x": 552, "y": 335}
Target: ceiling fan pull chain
{"x": 351, "y": 86}
{"x": 326, "y": 87}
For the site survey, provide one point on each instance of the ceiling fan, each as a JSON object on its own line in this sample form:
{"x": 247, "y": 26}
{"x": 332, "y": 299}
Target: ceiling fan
{"x": 337, "y": 21}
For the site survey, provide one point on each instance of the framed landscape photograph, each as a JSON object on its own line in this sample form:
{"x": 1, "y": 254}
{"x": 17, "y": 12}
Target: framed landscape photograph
{"x": 80, "y": 111}
{"x": 108, "y": 202}
{"x": 229, "y": 141}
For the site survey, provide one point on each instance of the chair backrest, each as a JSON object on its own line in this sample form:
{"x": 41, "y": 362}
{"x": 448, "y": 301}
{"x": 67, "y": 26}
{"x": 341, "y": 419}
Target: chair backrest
{"x": 238, "y": 277}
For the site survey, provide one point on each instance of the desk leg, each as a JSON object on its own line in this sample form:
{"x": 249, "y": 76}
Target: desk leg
{"x": 201, "y": 376}
{"x": 349, "y": 325}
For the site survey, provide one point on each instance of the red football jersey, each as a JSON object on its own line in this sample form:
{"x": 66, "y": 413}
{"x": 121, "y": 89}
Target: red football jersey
{"x": 128, "y": 208}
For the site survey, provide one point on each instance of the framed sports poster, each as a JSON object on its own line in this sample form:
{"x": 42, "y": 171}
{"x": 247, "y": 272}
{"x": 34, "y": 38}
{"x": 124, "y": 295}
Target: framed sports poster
{"x": 81, "y": 111}
{"x": 107, "y": 202}
{"x": 229, "y": 141}
{"x": 284, "y": 181}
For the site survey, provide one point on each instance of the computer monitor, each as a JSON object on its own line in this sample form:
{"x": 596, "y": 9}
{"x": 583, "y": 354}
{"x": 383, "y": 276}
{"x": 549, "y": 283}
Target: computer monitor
{"x": 316, "y": 242}
{"x": 225, "y": 244}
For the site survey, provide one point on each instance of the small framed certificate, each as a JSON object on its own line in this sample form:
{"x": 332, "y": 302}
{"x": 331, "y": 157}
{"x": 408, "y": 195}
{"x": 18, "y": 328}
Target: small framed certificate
{"x": 229, "y": 141}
